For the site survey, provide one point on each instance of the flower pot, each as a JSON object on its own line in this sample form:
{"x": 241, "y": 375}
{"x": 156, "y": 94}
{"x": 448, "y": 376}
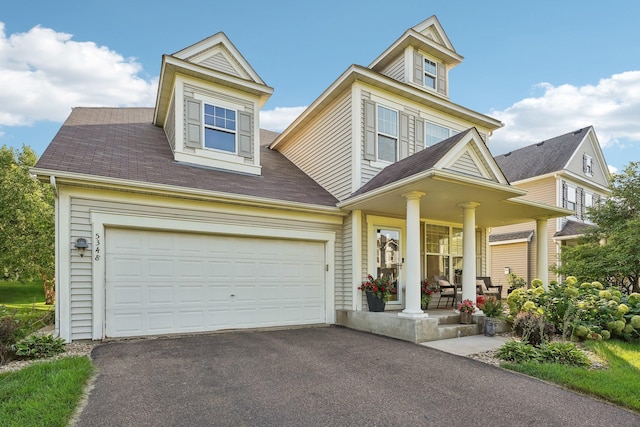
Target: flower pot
{"x": 490, "y": 326}
{"x": 466, "y": 317}
{"x": 375, "y": 303}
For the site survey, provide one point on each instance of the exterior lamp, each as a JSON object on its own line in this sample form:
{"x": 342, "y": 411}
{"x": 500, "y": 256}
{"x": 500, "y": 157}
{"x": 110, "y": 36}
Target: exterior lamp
{"x": 507, "y": 270}
{"x": 81, "y": 246}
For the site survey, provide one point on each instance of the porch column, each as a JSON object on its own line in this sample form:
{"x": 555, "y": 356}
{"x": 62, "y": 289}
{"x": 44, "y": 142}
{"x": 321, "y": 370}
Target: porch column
{"x": 412, "y": 257}
{"x": 542, "y": 252}
{"x": 469, "y": 251}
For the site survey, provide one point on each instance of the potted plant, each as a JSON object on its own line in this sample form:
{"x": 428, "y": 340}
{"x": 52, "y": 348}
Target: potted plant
{"x": 466, "y": 309}
{"x": 493, "y": 311}
{"x": 378, "y": 291}
{"x": 426, "y": 293}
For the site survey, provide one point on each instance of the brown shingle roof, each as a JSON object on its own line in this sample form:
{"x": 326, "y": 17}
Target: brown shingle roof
{"x": 516, "y": 235}
{"x": 122, "y": 143}
{"x": 412, "y": 165}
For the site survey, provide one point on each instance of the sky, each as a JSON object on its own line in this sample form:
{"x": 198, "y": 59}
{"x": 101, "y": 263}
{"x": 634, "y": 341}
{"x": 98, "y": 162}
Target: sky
{"x": 543, "y": 68}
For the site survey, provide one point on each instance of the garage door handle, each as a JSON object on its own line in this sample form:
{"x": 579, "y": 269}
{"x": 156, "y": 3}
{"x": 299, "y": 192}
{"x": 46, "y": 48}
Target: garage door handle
{"x": 233, "y": 295}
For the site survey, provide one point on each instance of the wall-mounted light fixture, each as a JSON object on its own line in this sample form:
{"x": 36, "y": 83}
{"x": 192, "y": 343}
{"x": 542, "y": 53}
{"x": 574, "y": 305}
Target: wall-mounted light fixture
{"x": 507, "y": 270}
{"x": 81, "y": 246}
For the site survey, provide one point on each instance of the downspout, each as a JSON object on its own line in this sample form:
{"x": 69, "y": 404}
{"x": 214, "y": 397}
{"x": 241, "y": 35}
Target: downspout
{"x": 54, "y": 187}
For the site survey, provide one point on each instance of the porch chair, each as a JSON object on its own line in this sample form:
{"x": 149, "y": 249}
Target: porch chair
{"x": 485, "y": 287}
{"x": 447, "y": 290}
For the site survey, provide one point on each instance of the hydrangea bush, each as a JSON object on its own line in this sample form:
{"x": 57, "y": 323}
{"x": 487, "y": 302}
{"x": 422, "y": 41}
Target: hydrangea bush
{"x": 582, "y": 311}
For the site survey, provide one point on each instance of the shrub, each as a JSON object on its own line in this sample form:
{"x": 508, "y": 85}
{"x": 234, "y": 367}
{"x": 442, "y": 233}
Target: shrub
{"x": 39, "y": 346}
{"x": 532, "y": 328}
{"x": 565, "y": 353}
{"x": 518, "y": 352}
{"x": 8, "y": 330}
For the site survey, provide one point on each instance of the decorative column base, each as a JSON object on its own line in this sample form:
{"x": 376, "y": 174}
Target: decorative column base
{"x": 420, "y": 315}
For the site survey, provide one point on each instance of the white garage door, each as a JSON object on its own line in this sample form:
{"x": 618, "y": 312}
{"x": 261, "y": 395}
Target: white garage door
{"x": 164, "y": 282}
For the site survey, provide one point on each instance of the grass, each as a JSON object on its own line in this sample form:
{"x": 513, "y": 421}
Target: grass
{"x": 43, "y": 394}
{"x": 23, "y": 295}
{"x": 25, "y": 302}
{"x": 619, "y": 383}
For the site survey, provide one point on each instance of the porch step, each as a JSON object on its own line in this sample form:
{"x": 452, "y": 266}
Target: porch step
{"x": 456, "y": 331}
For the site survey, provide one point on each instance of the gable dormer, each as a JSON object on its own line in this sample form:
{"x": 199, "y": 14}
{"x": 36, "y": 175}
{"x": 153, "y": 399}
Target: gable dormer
{"x": 208, "y": 104}
{"x": 421, "y": 57}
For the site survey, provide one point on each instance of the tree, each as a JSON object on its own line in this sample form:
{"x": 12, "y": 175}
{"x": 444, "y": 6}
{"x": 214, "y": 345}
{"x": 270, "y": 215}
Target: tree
{"x": 611, "y": 250}
{"x": 27, "y": 242}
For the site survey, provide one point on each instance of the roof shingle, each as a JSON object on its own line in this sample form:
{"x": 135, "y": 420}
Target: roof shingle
{"x": 545, "y": 157}
{"x": 122, "y": 143}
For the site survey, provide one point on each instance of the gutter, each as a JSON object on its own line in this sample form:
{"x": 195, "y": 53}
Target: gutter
{"x": 167, "y": 190}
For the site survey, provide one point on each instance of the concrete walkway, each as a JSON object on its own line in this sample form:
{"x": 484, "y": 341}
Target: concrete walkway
{"x": 465, "y": 346}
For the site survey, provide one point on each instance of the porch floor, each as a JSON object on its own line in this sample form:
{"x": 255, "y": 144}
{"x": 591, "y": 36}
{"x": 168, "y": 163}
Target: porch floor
{"x": 440, "y": 324}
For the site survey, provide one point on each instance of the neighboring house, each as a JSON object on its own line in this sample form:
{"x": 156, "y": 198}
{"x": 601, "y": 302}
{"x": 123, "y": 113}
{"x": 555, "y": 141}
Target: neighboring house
{"x": 197, "y": 220}
{"x": 568, "y": 171}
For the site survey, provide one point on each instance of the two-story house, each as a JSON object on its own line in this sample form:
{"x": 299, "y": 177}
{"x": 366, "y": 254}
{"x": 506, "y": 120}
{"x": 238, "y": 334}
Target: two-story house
{"x": 188, "y": 217}
{"x": 568, "y": 171}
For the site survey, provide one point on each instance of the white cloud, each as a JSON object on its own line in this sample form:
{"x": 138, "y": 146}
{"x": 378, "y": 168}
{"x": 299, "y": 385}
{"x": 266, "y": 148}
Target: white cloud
{"x": 279, "y": 118}
{"x": 43, "y": 74}
{"x": 612, "y": 107}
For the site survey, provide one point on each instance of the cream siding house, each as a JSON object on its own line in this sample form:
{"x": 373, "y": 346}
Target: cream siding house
{"x": 567, "y": 171}
{"x": 196, "y": 219}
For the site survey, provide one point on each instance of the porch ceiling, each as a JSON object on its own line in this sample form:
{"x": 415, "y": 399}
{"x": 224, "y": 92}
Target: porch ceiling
{"x": 444, "y": 193}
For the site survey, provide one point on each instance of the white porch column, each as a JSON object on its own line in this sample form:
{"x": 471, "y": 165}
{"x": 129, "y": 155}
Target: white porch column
{"x": 542, "y": 252}
{"x": 469, "y": 251}
{"x": 412, "y": 257}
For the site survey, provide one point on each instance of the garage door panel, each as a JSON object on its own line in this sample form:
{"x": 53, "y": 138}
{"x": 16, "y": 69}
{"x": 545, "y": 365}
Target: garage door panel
{"x": 162, "y": 282}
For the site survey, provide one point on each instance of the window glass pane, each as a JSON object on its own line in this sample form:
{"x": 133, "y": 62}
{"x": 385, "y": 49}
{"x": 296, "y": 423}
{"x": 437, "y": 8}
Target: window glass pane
{"x": 387, "y": 121}
{"x": 430, "y": 81}
{"x": 388, "y": 257}
{"x": 437, "y": 239}
{"x": 588, "y": 199}
{"x": 437, "y": 265}
{"x": 456, "y": 241}
{"x": 435, "y": 134}
{"x": 429, "y": 67}
{"x": 387, "y": 148}
{"x": 219, "y": 117}
{"x": 219, "y": 140}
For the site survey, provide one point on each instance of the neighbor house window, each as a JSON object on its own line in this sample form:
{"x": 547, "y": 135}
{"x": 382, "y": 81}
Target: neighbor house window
{"x": 571, "y": 198}
{"x": 430, "y": 73}
{"x": 387, "y": 134}
{"x": 587, "y": 164}
{"x": 219, "y": 128}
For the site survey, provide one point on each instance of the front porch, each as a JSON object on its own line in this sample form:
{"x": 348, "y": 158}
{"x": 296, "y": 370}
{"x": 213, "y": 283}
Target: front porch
{"x": 439, "y": 325}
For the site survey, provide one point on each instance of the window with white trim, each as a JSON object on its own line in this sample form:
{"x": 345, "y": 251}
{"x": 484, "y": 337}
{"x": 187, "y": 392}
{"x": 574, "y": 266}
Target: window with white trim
{"x": 219, "y": 128}
{"x": 571, "y": 197}
{"x": 587, "y": 164}
{"x": 436, "y": 133}
{"x": 430, "y": 73}
{"x": 387, "y": 134}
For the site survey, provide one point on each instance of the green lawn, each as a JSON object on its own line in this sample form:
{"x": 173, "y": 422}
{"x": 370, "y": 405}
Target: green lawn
{"x": 619, "y": 383}
{"x": 43, "y": 394}
{"x": 23, "y": 295}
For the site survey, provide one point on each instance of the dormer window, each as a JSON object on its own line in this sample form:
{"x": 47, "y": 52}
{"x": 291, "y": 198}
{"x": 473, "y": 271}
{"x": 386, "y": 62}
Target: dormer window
{"x": 219, "y": 128}
{"x": 430, "y": 73}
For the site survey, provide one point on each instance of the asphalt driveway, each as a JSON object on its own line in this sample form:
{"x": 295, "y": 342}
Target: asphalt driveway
{"x": 319, "y": 377}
